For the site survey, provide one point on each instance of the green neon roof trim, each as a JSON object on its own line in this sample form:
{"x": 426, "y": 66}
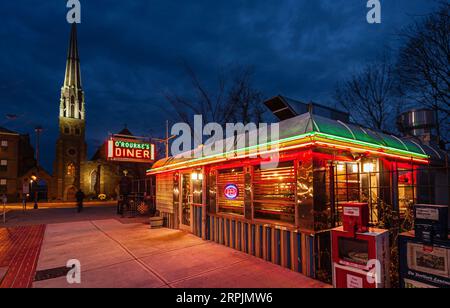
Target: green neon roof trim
{"x": 309, "y": 126}
{"x": 299, "y": 137}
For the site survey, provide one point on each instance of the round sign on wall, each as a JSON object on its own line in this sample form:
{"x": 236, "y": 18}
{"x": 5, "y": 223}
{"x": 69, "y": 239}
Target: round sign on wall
{"x": 231, "y": 192}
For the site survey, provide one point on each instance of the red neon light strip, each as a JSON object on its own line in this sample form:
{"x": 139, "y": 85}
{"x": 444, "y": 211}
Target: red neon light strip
{"x": 325, "y": 144}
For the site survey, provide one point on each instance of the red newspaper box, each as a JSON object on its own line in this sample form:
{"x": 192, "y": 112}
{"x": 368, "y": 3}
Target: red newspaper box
{"x": 355, "y": 217}
{"x": 356, "y": 255}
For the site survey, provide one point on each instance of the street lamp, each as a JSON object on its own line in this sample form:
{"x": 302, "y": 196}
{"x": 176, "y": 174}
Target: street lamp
{"x": 33, "y": 188}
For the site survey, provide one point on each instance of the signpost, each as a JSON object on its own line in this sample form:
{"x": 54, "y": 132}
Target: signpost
{"x": 25, "y": 194}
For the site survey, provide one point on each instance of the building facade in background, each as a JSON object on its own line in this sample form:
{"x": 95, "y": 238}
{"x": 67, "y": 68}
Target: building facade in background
{"x": 16, "y": 160}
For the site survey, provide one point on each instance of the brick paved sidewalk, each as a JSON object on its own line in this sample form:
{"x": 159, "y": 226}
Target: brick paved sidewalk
{"x": 19, "y": 253}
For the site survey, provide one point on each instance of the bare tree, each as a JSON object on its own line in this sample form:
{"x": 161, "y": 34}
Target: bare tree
{"x": 235, "y": 98}
{"x": 371, "y": 95}
{"x": 424, "y": 64}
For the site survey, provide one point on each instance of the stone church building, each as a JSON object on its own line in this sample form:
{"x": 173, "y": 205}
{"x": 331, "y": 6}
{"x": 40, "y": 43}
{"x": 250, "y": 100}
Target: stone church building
{"x": 72, "y": 168}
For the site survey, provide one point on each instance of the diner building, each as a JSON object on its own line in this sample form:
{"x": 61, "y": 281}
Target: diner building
{"x": 283, "y": 213}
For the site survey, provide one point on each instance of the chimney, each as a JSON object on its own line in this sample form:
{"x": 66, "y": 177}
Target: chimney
{"x": 420, "y": 124}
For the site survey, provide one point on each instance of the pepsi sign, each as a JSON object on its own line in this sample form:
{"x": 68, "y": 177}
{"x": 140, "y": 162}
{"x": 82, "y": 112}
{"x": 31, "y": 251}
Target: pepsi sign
{"x": 231, "y": 192}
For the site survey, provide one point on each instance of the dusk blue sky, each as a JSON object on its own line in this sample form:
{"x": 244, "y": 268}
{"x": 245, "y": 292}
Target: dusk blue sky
{"x": 131, "y": 51}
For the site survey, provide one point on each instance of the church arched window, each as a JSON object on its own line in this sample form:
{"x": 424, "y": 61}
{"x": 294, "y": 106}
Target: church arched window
{"x": 71, "y": 170}
{"x": 94, "y": 176}
{"x": 64, "y": 107}
{"x": 72, "y": 107}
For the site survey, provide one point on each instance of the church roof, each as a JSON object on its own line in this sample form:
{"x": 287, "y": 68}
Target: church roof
{"x": 126, "y": 132}
{"x": 73, "y": 72}
{"x": 7, "y": 131}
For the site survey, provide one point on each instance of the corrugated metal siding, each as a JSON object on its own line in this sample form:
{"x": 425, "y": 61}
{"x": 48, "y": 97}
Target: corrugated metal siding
{"x": 164, "y": 193}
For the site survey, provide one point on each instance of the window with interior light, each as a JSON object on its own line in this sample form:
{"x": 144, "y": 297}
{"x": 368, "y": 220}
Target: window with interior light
{"x": 274, "y": 192}
{"x": 370, "y": 187}
{"x": 345, "y": 179}
{"x": 71, "y": 170}
{"x": 4, "y": 143}
{"x": 197, "y": 186}
{"x": 4, "y": 165}
{"x": 3, "y": 185}
{"x": 407, "y": 182}
{"x": 347, "y": 182}
{"x": 230, "y": 191}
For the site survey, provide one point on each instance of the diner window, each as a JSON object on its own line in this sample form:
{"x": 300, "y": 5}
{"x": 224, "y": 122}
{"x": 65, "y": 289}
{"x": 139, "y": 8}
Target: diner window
{"x": 197, "y": 186}
{"x": 4, "y": 165}
{"x": 347, "y": 185}
{"x": 231, "y": 191}
{"x": 274, "y": 192}
{"x": 347, "y": 182}
{"x": 370, "y": 188}
{"x": 406, "y": 190}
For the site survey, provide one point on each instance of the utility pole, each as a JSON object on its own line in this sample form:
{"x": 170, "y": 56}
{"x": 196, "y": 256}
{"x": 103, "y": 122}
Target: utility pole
{"x": 38, "y": 131}
{"x": 166, "y": 141}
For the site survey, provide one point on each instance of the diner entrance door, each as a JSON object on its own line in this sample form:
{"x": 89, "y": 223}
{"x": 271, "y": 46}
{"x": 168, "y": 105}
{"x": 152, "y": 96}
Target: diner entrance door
{"x": 185, "y": 202}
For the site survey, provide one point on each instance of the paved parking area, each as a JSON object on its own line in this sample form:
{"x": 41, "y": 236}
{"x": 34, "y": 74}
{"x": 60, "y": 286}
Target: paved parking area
{"x": 117, "y": 255}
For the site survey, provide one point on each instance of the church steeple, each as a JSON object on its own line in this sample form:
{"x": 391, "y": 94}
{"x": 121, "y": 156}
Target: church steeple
{"x": 72, "y": 95}
{"x": 73, "y": 74}
{"x": 71, "y": 148}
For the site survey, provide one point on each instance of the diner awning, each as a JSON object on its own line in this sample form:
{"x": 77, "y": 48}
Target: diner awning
{"x": 310, "y": 130}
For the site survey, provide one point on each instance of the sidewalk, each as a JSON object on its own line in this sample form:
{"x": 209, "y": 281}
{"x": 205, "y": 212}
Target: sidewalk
{"x": 125, "y": 253}
{"x": 116, "y": 255}
{"x": 19, "y": 253}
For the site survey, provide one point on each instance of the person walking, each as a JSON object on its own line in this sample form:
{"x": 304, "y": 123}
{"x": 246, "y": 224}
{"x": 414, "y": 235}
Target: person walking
{"x": 4, "y": 200}
{"x": 80, "y": 198}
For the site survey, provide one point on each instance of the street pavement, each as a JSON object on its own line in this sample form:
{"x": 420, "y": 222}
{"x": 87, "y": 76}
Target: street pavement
{"x": 56, "y": 213}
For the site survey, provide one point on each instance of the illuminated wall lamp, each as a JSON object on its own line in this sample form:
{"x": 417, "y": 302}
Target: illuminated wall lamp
{"x": 368, "y": 167}
{"x": 197, "y": 176}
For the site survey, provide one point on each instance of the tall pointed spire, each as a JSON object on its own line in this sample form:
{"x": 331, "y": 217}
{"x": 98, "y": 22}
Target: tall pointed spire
{"x": 71, "y": 148}
{"x": 73, "y": 73}
{"x": 72, "y": 95}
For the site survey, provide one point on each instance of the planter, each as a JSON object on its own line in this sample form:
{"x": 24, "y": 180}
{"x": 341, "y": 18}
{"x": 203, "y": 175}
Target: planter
{"x": 156, "y": 222}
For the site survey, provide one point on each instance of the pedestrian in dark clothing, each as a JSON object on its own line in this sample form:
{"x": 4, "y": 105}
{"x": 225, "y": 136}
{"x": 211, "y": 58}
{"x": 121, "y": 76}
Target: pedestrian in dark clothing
{"x": 80, "y": 198}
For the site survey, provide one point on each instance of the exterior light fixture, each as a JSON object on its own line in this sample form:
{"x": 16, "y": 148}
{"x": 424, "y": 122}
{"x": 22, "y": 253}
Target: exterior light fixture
{"x": 33, "y": 183}
{"x": 369, "y": 167}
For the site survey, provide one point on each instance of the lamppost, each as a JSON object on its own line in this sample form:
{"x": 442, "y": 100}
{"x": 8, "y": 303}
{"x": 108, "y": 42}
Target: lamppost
{"x": 34, "y": 191}
{"x": 38, "y": 130}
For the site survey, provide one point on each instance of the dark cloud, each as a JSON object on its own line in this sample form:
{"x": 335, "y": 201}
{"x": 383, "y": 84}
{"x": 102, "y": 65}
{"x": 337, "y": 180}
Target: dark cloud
{"x": 131, "y": 51}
